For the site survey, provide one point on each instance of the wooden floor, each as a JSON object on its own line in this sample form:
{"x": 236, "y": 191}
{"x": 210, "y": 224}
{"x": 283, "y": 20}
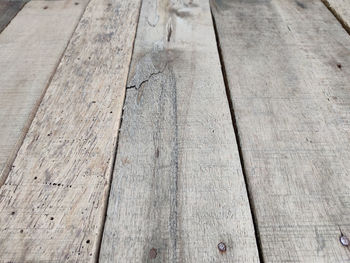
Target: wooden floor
{"x": 175, "y": 131}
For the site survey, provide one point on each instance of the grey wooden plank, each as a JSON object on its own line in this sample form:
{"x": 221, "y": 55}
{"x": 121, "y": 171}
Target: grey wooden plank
{"x": 177, "y": 189}
{"x": 53, "y": 202}
{"x": 30, "y": 50}
{"x": 288, "y": 70}
{"x": 8, "y": 10}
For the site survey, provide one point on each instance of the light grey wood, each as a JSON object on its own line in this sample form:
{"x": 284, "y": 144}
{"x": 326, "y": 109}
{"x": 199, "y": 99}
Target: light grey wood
{"x": 178, "y": 189}
{"x": 53, "y": 202}
{"x": 8, "y": 10}
{"x": 341, "y": 9}
{"x": 288, "y": 70}
{"x": 30, "y": 50}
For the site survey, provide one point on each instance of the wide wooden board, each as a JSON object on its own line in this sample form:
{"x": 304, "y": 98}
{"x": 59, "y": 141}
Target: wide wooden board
{"x": 178, "y": 189}
{"x": 341, "y": 9}
{"x": 53, "y": 202}
{"x": 288, "y": 70}
{"x": 8, "y": 10}
{"x": 30, "y": 50}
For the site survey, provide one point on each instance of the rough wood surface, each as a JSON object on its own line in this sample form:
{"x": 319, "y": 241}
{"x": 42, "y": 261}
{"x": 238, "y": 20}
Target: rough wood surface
{"x": 8, "y": 10}
{"x": 53, "y": 202}
{"x": 288, "y": 69}
{"x": 30, "y": 50}
{"x": 341, "y": 9}
{"x": 178, "y": 189}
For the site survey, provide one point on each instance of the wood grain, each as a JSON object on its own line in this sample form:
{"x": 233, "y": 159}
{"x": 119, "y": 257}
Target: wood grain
{"x": 8, "y": 10}
{"x": 341, "y": 10}
{"x": 288, "y": 69}
{"x": 53, "y": 202}
{"x": 30, "y": 50}
{"x": 178, "y": 189}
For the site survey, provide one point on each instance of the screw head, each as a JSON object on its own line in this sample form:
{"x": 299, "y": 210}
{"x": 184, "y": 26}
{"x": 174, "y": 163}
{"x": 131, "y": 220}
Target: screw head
{"x": 344, "y": 240}
{"x": 222, "y": 247}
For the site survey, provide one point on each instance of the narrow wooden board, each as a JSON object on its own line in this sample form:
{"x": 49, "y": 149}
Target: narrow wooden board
{"x": 178, "y": 189}
{"x": 30, "y": 50}
{"x": 8, "y": 10}
{"x": 53, "y": 202}
{"x": 341, "y": 9}
{"x": 288, "y": 70}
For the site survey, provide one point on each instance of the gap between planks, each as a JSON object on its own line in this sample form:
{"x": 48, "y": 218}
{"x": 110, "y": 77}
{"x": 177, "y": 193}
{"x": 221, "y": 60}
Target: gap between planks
{"x": 8, "y": 11}
{"x": 238, "y": 140}
{"x": 337, "y": 11}
{"x": 115, "y": 151}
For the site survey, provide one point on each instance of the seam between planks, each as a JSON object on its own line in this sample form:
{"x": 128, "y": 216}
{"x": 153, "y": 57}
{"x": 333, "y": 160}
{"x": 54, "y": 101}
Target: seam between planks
{"x": 337, "y": 16}
{"x": 235, "y": 129}
{"x": 8, "y": 166}
{"x": 25, "y": 2}
{"x": 100, "y": 236}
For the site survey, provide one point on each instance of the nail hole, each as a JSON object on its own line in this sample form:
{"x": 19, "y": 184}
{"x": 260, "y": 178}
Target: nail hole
{"x": 339, "y": 65}
{"x": 35, "y": 178}
{"x": 153, "y": 253}
{"x": 51, "y": 218}
{"x": 21, "y": 231}
{"x": 45, "y": 7}
{"x": 13, "y": 213}
{"x": 87, "y": 241}
{"x": 76, "y": 3}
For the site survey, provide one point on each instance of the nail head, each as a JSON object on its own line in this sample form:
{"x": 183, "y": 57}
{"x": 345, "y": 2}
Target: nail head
{"x": 344, "y": 241}
{"x": 222, "y": 247}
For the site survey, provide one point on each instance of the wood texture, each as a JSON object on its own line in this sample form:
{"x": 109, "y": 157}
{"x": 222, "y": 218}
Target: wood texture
{"x": 53, "y": 202}
{"x": 178, "y": 189}
{"x": 288, "y": 69}
{"x": 30, "y": 50}
{"x": 341, "y": 9}
{"x": 8, "y": 10}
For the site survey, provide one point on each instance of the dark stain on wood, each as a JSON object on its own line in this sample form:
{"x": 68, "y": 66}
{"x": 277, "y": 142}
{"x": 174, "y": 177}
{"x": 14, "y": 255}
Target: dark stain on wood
{"x": 300, "y": 4}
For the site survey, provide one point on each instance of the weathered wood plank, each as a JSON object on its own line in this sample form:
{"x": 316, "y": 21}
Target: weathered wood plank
{"x": 178, "y": 189}
{"x": 288, "y": 69}
{"x": 53, "y": 202}
{"x": 8, "y": 9}
{"x": 341, "y": 9}
{"x": 30, "y": 50}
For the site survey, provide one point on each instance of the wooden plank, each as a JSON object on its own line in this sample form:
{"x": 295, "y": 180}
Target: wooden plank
{"x": 8, "y": 10}
{"x": 288, "y": 70}
{"x": 178, "y": 189}
{"x": 53, "y": 202}
{"x": 341, "y": 9}
{"x": 30, "y": 50}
